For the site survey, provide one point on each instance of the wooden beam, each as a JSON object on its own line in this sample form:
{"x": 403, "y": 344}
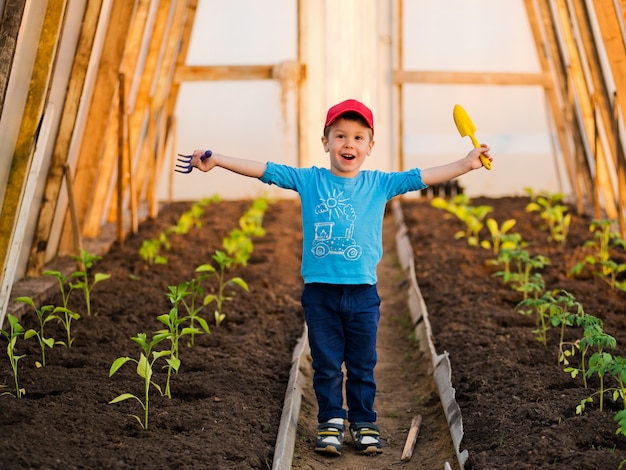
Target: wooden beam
{"x": 181, "y": 57}
{"x": 65, "y": 131}
{"x": 168, "y": 120}
{"x": 197, "y": 73}
{"x": 609, "y": 25}
{"x": 161, "y": 80}
{"x": 99, "y": 116}
{"x": 545, "y": 35}
{"x": 105, "y": 189}
{"x": 152, "y": 150}
{"x": 472, "y": 78}
{"x": 583, "y": 102}
{"x": 27, "y": 138}
{"x": 9, "y": 30}
{"x": 138, "y": 115}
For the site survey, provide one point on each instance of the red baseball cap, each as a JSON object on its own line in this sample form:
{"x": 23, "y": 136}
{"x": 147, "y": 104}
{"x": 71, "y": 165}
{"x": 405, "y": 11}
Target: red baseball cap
{"x": 350, "y": 106}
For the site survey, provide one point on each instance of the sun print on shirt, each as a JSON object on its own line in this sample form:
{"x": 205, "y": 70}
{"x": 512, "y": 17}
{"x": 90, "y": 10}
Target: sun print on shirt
{"x": 333, "y": 235}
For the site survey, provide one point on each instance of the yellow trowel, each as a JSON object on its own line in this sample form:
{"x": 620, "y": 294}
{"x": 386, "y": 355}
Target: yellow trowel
{"x": 466, "y": 127}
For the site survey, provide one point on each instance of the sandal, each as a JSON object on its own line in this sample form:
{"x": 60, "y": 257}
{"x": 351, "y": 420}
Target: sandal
{"x": 366, "y": 438}
{"x": 330, "y": 437}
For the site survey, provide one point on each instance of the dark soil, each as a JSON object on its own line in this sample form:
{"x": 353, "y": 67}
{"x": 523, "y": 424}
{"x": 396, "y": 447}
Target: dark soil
{"x": 518, "y": 405}
{"x": 227, "y": 398}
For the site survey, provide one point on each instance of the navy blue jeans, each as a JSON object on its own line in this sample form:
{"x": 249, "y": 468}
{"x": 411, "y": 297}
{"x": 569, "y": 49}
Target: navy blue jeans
{"x": 342, "y": 322}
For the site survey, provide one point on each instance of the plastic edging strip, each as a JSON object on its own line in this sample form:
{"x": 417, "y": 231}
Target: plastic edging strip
{"x": 441, "y": 363}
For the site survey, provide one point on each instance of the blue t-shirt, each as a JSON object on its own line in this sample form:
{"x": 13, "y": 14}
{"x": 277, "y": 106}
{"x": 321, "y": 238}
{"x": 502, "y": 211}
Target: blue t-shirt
{"x": 342, "y": 218}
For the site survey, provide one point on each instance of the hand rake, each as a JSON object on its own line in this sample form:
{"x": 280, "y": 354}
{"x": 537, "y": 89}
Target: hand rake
{"x": 186, "y": 166}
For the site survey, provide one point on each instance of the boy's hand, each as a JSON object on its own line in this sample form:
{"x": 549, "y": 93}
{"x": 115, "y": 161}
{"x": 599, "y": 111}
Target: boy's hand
{"x": 201, "y": 159}
{"x": 474, "y": 157}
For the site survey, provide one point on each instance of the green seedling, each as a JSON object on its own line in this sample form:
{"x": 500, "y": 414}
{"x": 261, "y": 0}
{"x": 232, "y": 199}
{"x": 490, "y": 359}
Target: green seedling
{"x": 239, "y": 247}
{"x": 500, "y": 238}
{"x": 471, "y": 216}
{"x": 176, "y": 329}
{"x": 519, "y": 271}
{"x": 563, "y": 313}
{"x": 145, "y": 369}
{"x": 44, "y": 315}
{"x": 68, "y": 315}
{"x": 541, "y": 307}
{"x": 617, "y": 369}
{"x": 190, "y": 303}
{"x": 620, "y": 418}
{"x": 238, "y": 244}
{"x": 610, "y": 270}
{"x": 151, "y": 250}
{"x": 251, "y": 223}
{"x": 87, "y": 260}
{"x": 224, "y": 262}
{"x": 192, "y": 218}
{"x": 188, "y": 220}
{"x": 15, "y": 331}
{"x": 599, "y": 364}
{"x": 604, "y": 239}
{"x": 594, "y": 338}
{"x": 552, "y": 212}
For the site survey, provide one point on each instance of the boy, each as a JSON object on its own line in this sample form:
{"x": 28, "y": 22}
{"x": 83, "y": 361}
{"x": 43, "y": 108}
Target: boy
{"x": 342, "y": 216}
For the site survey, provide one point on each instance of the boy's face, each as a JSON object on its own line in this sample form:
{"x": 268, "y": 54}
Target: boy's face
{"x": 348, "y": 143}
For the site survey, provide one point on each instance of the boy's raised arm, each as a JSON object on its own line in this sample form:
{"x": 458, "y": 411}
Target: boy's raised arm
{"x": 443, "y": 173}
{"x": 242, "y": 166}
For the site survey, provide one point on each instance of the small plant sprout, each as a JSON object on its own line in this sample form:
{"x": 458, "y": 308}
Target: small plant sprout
{"x": 617, "y": 369}
{"x": 239, "y": 247}
{"x": 175, "y": 330}
{"x": 500, "y": 238}
{"x": 620, "y": 418}
{"x": 563, "y": 313}
{"x": 68, "y": 315}
{"x": 145, "y": 368}
{"x": 553, "y": 213}
{"x": 604, "y": 240}
{"x": 522, "y": 278}
{"x": 541, "y": 307}
{"x": 594, "y": 338}
{"x": 87, "y": 260}
{"x": 599, "y": 364}
{"x": 471, "y": 216}
{"x": 44, "y": 315}
{"x": 224, "y": 262}
{"x": 15, "y": 331}
{"x": 193, "y": 304}
{"x": 150, "y": 250}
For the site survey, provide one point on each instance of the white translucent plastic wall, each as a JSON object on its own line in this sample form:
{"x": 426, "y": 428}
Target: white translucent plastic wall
{"x": 477, "y": 36}
{"x": 238, "y": 118}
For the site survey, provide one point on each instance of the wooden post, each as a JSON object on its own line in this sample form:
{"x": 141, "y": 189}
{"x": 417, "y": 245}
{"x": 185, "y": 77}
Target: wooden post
{"x": 78, "y": 239}
{"x": 100, "y": 112}
{"x": 134, "y": 218}
{"x": 620, "y": 169}
{"x": 62, "y": 144}
{"x": 10, "y": 22}
{"x": 120, "y": 161}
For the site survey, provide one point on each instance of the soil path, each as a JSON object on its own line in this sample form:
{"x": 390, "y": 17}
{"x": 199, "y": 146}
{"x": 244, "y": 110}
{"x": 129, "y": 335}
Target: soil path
{"x": 405, "y": 389}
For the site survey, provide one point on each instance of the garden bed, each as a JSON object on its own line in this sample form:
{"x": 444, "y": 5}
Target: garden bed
{"x": 517, "y": 403}
{"x": 227, "y": 398}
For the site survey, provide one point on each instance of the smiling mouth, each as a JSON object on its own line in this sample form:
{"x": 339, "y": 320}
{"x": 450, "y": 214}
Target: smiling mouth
{"x": 346, "y": 156}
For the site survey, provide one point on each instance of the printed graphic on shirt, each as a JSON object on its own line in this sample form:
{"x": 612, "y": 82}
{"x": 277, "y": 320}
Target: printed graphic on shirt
{"x": 333, "y": 235}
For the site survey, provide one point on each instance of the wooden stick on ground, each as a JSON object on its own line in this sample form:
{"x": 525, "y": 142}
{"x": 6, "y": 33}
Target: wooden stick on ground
{"x": 411, "y": 439}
